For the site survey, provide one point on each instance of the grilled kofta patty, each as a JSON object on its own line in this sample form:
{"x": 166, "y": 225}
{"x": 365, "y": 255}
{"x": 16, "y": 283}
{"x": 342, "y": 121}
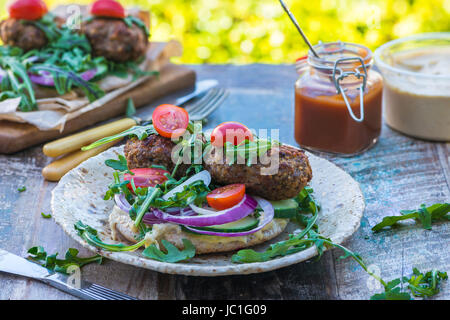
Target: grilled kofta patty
{"x": 21, "y": 34}
{"x": 155, "y": 149}
{"x": 294, "y": 171}
{"x": 114, "y": 40}
{"x": 293, "y": 174}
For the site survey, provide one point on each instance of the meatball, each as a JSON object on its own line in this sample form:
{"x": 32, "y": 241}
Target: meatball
{"x": 265, "y": 179}
{"x": 18, "y": 33}
{"x": 114, "y": 40}
{"x": 155, "y": 149}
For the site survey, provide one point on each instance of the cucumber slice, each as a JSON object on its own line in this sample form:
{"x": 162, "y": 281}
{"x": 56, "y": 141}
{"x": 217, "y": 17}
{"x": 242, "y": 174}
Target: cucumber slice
{"x": 244, "y": 224}
{"x": 285, "y": 209}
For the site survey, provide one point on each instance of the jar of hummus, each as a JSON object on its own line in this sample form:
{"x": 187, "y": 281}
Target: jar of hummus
{"x": 416, "y": 97}
{"x": 338, "y": 99}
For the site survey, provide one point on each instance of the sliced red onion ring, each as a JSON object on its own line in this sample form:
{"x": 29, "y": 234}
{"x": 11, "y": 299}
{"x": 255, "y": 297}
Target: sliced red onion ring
{"x": 239, "y": 211}
{"x": 267, "y": 217}
{"x": 122, "y": 202}
{"x": 203, "y": 211}
{"x": 202, "y": 175}
{"x": 150, "y": 218}
{"x": 46, "y": 79}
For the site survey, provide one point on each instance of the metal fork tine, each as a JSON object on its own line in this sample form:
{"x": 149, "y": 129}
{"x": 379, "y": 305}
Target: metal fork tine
{"x": 94, "y": 296}
{"x": 201, "y": 110}
{"x": 213, "y": 105}
{"x": 192, "y": 107}
{"x": 113, "y": 293}
{"x": 207, "y": 100}
{"x": 217, "y": 92}
{"x": 102, "y": 293}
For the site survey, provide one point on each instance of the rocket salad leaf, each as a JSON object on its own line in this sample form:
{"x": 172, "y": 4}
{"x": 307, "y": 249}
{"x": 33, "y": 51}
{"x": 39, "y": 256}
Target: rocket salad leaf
{"x": 120, "y": 165}
{"x": 52, "y": 263}
{"x": 173, "y": 254}
{"x": 425, "y": 215}
{"x": 141, "y": 132}
{"x": 130, "y": 20}
{"x": 420, "y": 284}
{"x": 90, "y": 235}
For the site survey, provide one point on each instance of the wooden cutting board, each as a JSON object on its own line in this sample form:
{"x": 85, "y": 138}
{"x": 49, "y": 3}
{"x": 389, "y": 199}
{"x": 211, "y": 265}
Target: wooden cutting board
{"x": 17, "y": 136}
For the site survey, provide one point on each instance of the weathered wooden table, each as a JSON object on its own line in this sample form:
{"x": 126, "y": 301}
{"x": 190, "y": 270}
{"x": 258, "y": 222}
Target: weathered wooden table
{"x": 398, "y": 173}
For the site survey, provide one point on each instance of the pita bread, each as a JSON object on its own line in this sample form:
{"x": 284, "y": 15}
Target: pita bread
{"x": 79, "y": 196}
{"x": 121, "y": 224}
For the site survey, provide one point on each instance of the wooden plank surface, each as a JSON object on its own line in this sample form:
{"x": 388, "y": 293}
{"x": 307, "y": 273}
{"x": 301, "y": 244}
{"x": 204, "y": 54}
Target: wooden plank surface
{"x": 398, "y": 173}
{"x": 18, "y": 136}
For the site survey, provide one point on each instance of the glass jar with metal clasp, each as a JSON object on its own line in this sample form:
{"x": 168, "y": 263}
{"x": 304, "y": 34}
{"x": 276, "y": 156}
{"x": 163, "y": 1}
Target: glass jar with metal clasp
{"x": 338, "y": 99}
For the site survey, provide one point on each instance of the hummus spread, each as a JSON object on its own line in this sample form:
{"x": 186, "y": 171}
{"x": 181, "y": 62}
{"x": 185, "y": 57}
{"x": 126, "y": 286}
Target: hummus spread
{"x": 417, "y": 102}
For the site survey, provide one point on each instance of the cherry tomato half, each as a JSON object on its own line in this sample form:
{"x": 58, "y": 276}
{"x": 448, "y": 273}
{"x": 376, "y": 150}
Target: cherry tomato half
{"x": 225, "y": 197}
{"x": 145, "y": 177}
{"x": 170, "y": 121}
{"x": 108, "y": 8}
{"x": 27, "y": 9}
{"x": 230, "y": 131}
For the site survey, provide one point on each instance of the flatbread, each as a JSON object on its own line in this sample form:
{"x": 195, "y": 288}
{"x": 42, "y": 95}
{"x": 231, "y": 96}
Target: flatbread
{"x": 121, "y": 224}
{"x": 79, "y": 197}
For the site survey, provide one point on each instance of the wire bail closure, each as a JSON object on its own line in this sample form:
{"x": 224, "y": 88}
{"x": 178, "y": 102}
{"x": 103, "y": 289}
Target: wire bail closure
{"x": 362, "y": 87}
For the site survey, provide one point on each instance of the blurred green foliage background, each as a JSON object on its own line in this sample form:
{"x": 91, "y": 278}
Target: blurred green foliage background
{"x": 247, "y": 31}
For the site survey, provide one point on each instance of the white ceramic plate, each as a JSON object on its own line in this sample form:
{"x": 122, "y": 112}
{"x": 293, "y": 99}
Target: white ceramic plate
{"x": 79, "y": 196}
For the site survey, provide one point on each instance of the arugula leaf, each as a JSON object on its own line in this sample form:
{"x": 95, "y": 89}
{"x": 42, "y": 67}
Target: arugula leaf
{"x": 130, "y": 20}
{"x": 47, "y": 25}
{"x": 120, "y": 165}
{"x": 152, "y": 193}
{"x": 193, "y": 193}
{"x": 90, "y": 235}
{"x": 247, "y": 150}
{"x": 159, "y": 166}
{"x": 425, "y": 215}
{"x": 64, "y": 80}
{"x": 394, "y": 294}
{"x": 420, "y": 284}
{"x": 15, "y": 82}
{"x": 118, "y": 187}
{"x": 173, "y": 254}
{"x": 46, "y": 216}
{"x": 295, "y": 243}
{"x": 426, "y": 285}
{"x": 52, "y": 263}
{"x": 141, "y": 132}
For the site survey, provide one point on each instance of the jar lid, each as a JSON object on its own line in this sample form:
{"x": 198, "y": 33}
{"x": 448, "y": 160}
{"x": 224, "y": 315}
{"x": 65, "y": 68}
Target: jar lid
{"x": 330, "y": 52}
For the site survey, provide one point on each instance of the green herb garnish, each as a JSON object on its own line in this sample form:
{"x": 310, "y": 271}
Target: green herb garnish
{"x": 46, "y": 216}
{"x": 130, "y": 20}
{"x": 173, "y": 254}
{"x": 22, "y": 189}
{"x": 15, "y": 82}
{"x": 422, "y": 285}
{"x": 193, "y": 193}
{"x": 119, "y": 165}
{"x": 52, "y": 263}
{"x": 90, "y": 235}
{"x": 425, "y": 215}
{"x": 247, "y": 151}
{"x": 141, "y": 132}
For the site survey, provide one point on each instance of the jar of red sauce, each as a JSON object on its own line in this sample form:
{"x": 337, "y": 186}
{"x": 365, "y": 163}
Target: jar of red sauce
{"x": 338, "y": 99}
